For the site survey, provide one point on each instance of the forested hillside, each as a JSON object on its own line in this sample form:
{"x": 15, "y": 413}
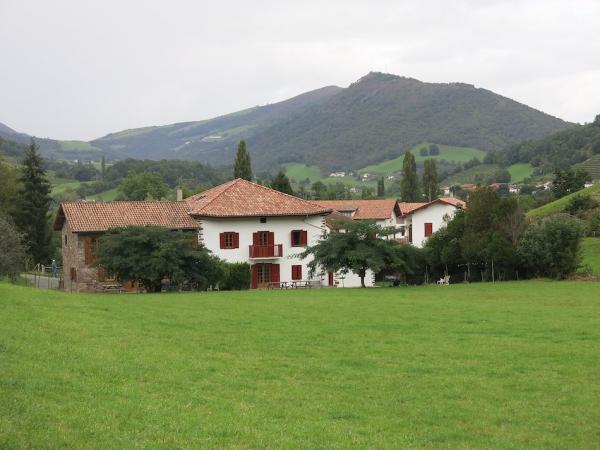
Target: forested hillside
{"x": 565, "y": 148}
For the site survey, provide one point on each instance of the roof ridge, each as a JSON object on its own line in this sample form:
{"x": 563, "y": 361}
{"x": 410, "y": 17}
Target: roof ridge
{"x": 231, "y": 183}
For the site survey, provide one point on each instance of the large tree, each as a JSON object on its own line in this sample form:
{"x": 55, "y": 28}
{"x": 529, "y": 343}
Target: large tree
{"x": 143, "y": 186}
{"x": 381, "y": 188}
{"x": 356, "y": 247}
{"x": 242, "y": 167}
{"x": 281, "y": 183}
{"x": 150, "y": 254}
{"x": 32, "y": 206}
{"x": 409, "y": 186}
{"x": 430, "y": 180}
{"x": 566, "y": 181}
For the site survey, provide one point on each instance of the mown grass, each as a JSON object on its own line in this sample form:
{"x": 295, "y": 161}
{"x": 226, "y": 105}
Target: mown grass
{"x": 591, "y": 254}
{"x": 509, "y": 365}
{"x": 520, "y": 171}
{"x": 559, "y": 205}
{"x": 447, "y": 152}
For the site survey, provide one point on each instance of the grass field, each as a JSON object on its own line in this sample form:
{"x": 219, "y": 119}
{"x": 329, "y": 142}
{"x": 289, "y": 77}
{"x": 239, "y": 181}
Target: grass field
{"x": 447, "y": 152}
{"x": 471, "y": 175}
{"x": 559, "y": 205}
{"x": 518, "y": 172}
{"x": 591, "y": 254}
{"x": 510, "y": 365}
{"x": 106, "y": 196}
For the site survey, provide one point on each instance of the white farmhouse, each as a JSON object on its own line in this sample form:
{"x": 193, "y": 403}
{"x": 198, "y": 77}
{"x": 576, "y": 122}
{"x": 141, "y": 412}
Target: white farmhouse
{"x": 240, "y": 221}
{"x": 425, "y": 219}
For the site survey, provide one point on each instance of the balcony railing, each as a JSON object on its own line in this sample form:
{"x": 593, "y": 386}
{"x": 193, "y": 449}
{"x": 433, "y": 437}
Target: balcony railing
{"x": 266, "y": 251}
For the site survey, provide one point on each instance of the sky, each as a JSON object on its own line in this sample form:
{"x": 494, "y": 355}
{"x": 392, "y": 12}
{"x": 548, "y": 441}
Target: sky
{"x": 79, "y": 69}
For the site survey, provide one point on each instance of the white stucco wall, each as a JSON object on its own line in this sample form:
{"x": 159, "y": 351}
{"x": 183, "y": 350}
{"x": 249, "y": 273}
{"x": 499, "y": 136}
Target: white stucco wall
{"x": 282, "y": 228}
{"x": 435, "y": 215}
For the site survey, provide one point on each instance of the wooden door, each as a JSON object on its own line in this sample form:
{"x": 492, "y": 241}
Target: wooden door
{"x": 330, "y": 279}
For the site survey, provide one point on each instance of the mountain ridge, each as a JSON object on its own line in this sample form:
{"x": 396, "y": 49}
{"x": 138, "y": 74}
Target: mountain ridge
{"x": 376, "y": 118}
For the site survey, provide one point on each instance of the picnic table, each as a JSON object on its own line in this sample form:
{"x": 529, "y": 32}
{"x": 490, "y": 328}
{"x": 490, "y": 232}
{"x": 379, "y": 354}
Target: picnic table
{"x": 110, "y": 287}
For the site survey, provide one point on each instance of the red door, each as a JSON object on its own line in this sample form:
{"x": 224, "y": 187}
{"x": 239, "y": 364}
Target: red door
{"x": 428, "y": 229}
{"x": 330, "y": 279}
{"x": 274, "y": 273}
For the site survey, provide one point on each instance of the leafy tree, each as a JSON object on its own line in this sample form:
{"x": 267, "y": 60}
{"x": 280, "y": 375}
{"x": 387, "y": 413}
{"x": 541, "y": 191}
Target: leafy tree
{"x": 12, "y": 250}
{"x": 580, "y": 203}
{"x": 366, "y": 193}
{"x": 501, "y": 176}
{"x": 381, "y": 188}
{"x": 434, "y": 150}
{"x": 150, "y": 254}
{"x": 281, "y": 183}
{"x": 8, "y": 188}
{"x": 409, "y": 187}
{"x": 357, "y": 248}
{"x": 32, "y": 206}
{"x": 430, "y": 180}
{"x": 552, "y": 248}
{"x": 319, "y": 190}
{"x": 237, "y": 276}
{"x": 567, "y": 181}
{"x": 143, "y": 186}
{"x": 242, "y": 167}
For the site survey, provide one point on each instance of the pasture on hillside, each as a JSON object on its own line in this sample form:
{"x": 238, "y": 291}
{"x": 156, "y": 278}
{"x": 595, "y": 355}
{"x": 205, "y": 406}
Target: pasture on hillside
{"x": 505, "y": 365}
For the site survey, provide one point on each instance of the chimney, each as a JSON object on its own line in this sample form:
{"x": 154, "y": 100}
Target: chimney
{"x": 179, "y": 194}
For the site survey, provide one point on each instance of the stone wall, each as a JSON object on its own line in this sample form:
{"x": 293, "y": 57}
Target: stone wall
{"x": 78, "y": 277}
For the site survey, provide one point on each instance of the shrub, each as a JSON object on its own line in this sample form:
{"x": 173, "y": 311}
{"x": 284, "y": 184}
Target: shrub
{"x": 552, "y": 248}
{"x": 237, "y": 276}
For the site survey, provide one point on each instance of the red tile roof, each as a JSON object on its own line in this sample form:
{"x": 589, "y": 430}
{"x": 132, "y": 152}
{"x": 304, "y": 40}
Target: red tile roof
{"x": 407, "y": 208}
{"x": 101, "y": 216}
{"x": 241, "y": 198}
{"x": 447, "y": 200}
{"x": 362, "y": 209}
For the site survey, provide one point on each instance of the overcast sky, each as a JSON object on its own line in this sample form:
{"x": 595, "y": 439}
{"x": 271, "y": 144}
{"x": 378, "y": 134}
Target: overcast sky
{"x": 78, "y": 69}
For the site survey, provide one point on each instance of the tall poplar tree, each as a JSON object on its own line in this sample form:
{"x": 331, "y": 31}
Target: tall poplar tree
{"x": 33, "y": 206}
{"x": 409, "y": 187}
{"x": 430, "y": 182}
{"x": 242, "y": 167}
{"x": 381, "y": 188}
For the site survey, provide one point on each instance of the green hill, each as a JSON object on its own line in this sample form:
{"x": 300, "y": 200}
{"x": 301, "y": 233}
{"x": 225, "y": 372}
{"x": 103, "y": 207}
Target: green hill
{"x": 559, "y": 205}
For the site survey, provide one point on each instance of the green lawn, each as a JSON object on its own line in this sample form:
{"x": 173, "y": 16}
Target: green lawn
{"x": 518, "y": 172}
{"x": 106, "y": 196}
{"x": 471, "y": 175}
{"x": 591, "y": 254}
{"x": 447, "y": 152}
{"x": 559, "y": 205}
{"x": 506, "y": 365}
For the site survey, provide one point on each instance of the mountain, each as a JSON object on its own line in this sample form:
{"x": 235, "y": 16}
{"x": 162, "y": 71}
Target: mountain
{"x": 375, "y": 119}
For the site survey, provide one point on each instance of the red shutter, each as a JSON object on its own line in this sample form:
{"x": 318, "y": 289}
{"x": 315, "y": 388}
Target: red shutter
{"x": 222, "y": 239}
{"x": 274, "y": 273}
{"x": 303, "y": 238}
{"x": 236, "y": 240}
{"x": 428, "y": 229}
{"x": 254, "y": 276}
{"x": 271, "y": 238}
{"x": 296, "y": 272}
{"x": 255, "y": 239}
{"x": 292, "y": 243}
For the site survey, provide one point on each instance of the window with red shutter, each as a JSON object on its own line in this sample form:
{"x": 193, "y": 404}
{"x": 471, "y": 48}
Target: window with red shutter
{"x": 299, "y": 238}
{"x": 428, "y": 229}
{"x": 229, "y": 239}
{"x": 296, "y": 272}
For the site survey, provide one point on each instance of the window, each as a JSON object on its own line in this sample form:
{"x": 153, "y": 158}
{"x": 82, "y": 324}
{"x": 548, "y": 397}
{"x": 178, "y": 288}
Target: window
{"x": 263, "y": 238}
{"x": 229, "y": 239}
{"x": 296, "y": 272}
{"x": 428, "y": 229}
{"x": 299, "y": 238}
{"x": 263, "y": 220}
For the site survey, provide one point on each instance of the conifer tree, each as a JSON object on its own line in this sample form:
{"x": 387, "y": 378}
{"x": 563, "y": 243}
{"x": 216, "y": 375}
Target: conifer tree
{"x": 103, "y": 167}
{"x": 430, "y": 182}
{"x": 242, "y": 167}
{"x": 409, "y": 187}
{"x": 281, "y": 183}
{"x": 33, "y": 205}
{"x": 381, "y": 188}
